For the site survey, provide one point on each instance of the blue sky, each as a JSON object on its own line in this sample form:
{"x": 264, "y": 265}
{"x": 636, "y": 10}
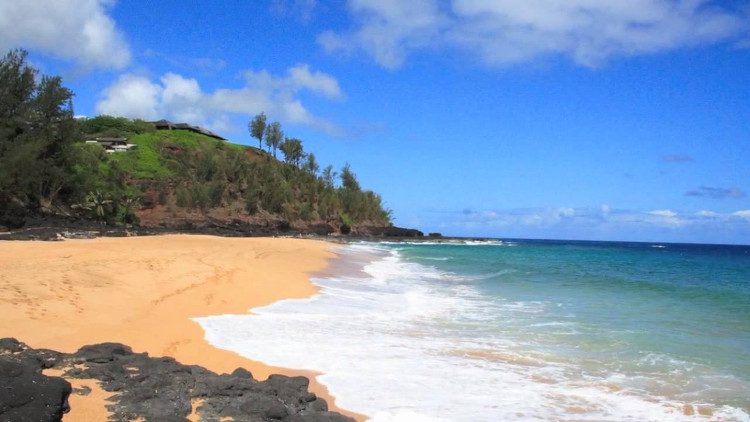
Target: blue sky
{"x": 537, "y": 118}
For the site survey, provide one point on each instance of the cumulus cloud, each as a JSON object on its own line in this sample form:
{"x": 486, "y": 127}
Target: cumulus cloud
{"x": 716, "y": 193}
{"x": 300, "y": 77}
{"x": 706, "y": 214}
{"x": 665, "y": 218}
{"x": 502, "y": 32}
{"x": 603, "y": 222}
{"x": 663, "y": 213}
{"x": 389, "y": 29}
{"x": 77, "y": 30}
{"x": 544, "y": 217}
{"x": 591, "y": 217}
{"x": 180, "y": 98}
{"x": 131, "y": 96}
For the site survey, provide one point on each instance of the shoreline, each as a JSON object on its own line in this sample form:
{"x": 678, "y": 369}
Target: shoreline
{"x": 59, "y": 295}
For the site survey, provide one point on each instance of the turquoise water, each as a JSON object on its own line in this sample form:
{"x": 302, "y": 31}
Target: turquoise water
{"x": 519, "y": 330}
{"x": 676, "y": 315}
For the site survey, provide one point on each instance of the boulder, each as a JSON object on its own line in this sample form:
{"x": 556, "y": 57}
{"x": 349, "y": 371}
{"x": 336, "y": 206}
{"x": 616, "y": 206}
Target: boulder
{"x": 28, "y": 395}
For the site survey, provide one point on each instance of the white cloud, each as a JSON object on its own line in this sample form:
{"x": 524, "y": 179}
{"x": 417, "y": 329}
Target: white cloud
{"x": 706, "y": 214}
{"x": 319, "y": 82}
{"x": 131, "y": 96}
{"x": 529, "y": 217}
{"x": 77, "y": 30}
{"x": 597, "y": 223}
{"x": 389, "y": 29}
{"x": 663, "y": 213}
{"x": 602, "y": 216}
{"x": 667, "y": 218}
{"x": 566, "y": 212}
{"x": 502, "y": 32}
{"x": 180, "y": 98}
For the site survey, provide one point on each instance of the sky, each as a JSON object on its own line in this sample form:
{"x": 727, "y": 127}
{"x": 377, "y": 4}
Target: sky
{"x": 565, "y": 119}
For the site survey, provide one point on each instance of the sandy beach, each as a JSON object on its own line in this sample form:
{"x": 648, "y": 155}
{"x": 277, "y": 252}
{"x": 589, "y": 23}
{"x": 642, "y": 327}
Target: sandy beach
{"x": 143, "y": 292}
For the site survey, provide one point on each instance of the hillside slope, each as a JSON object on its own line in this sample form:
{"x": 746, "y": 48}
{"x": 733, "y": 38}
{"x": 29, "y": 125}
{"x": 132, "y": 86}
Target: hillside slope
{"x": 182, "y": 179}
{"x": 114, "y": 172}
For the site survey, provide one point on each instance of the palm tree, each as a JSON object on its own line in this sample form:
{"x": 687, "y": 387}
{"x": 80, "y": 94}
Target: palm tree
{"x": 97, "y": 203}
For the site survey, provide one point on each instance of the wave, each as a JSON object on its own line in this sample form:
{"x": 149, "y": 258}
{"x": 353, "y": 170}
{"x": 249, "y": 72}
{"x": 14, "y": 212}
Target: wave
{"x": 407, "y": 343}
{"x": 451, "y": 242}
{"x": 495, "y": 274}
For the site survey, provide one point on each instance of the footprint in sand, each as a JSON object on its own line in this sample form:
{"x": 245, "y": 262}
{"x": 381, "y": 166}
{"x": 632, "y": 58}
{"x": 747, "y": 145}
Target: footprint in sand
{"x": 169, "y": 350}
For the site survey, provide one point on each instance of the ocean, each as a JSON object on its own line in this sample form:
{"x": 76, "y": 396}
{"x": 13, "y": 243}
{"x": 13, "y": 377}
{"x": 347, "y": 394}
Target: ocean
{"x": 518, "y": 330}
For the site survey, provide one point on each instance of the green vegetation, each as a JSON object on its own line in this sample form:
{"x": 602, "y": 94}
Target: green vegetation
{"x": 274, "y": 135}
{"x": 109, "y": 126}
{"x": 47, "y": 168}
{"x": 43, "y": 167}
{"x": 257, "y": 128}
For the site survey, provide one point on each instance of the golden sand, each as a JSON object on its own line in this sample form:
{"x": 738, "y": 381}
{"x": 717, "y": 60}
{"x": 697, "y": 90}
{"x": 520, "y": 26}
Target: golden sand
{"x": 88, "y": 400}
{"x": 142, "y": 292}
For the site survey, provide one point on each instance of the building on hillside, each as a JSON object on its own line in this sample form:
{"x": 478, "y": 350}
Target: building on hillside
{"x": 167, "y": 125}
{"x": 113, "y": 144}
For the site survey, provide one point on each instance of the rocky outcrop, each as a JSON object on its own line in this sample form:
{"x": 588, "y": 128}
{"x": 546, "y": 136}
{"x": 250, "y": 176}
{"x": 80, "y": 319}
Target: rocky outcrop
{"x": 26, "y": 394}
{"x": 60, "y": 228}
{"x": 12, "y": 214}
{"x": 390, "y": 231}
{"x": 149, "y": 388}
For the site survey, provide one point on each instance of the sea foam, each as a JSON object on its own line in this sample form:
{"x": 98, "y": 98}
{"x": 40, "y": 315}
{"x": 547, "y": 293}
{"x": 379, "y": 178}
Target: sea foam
{"x": 408, "y": 342}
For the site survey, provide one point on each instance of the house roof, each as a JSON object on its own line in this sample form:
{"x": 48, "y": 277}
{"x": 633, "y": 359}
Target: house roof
{"x": 110, "y": 139}
{"x": 166, "y": 124}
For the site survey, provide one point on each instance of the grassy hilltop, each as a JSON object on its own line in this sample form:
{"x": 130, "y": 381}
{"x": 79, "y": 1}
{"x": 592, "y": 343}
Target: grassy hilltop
{"x": 172, "y": 178}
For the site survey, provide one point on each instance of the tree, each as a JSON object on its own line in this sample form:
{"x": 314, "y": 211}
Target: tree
{"x": 55, "y": 130}
{"x": 292, "y": 150}
{"x": 349, "y": 179}
{"x": 311, "y": 165}
{"x": 97, "y": 203}
{"x": 16, "y": 85}
{"x": 257, "y": 128}
{"x": 274, "y": 135}
{"x": 329, "y": 176}
{"x": 37, "y": 130}
{"x": 17, "y": 157}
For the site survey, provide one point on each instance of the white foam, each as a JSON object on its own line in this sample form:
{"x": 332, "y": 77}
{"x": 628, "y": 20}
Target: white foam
{"x": 410, "y": 343}
{"x": 457, "y": 242}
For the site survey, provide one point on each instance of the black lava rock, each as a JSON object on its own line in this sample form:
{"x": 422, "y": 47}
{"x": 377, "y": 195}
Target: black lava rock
{"x": 26, "y": 395}
{"x": 153, "y": 389}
